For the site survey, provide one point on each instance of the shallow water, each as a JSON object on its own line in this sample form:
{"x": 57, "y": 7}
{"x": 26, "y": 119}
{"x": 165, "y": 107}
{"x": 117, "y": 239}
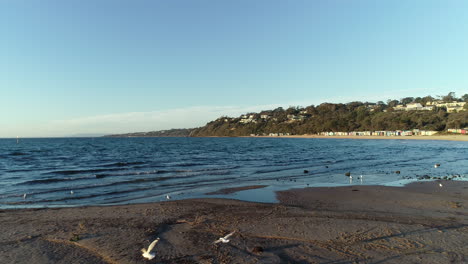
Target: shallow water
{"x": 134, "y": 170}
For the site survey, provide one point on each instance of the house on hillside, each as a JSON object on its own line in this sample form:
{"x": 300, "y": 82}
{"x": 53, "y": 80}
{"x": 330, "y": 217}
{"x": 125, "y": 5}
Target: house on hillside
{"x": 247, "y": 119}
{"x": 399, "y": 108}
{"x": 451, "y": 107}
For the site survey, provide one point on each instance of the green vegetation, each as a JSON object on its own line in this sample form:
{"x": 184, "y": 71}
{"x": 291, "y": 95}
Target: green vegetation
{"x": 353, "y": 116}
{"x": 329, "y": 117}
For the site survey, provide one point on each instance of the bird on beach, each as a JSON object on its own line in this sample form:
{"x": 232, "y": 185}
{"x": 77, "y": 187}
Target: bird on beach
{"x": 168, "y": 197}
{"x": 225, "y": 238}
{"x": 440, "y": 185}
{"x": 147, "y": 252}
{"x": 360, "y": 178}
{"x": 350, "y": 179}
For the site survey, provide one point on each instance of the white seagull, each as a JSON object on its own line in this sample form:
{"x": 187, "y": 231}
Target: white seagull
{"x": 361, "y": 177}
{"x": 168, "y": 197}
{"x": 350, "y": 179}
{"x": 440, "y": 185}
{"x": 437, "y": 165}
{"x": 147, "y": 253}
{"x": 24, "y": 196}
{"x": 71, "y": 192}
{"x": 224, "y": 239}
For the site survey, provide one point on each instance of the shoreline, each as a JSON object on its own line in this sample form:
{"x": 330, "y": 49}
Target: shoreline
{"x": 418, "y": 223}
{"x": 435, "y": 137}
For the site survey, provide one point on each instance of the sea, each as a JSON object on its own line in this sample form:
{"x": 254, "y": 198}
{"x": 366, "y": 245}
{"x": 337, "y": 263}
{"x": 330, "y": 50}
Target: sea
{"x": 67, "y": 172}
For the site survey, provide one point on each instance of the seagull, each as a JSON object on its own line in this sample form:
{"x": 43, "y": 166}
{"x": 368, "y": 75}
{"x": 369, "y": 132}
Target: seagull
{"x": 437, "y": 165}
{"x": 350, "y": 179}
{"x": 224, "y": 239}
{"x": 71, "y": 192}
{"x": 168, "y": 197}
{"x": 24, "y": 196}
{"x": 147, "y": 253}
{"x": 440, "y": 185}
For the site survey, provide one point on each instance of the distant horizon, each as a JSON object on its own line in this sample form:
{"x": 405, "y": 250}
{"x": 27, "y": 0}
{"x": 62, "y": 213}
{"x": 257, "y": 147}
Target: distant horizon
{"x": 81, "y": 67}
{"x": 238, "y": 112}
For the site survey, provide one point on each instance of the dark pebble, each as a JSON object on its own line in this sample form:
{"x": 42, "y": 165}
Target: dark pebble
{"x": 257, "y": 250}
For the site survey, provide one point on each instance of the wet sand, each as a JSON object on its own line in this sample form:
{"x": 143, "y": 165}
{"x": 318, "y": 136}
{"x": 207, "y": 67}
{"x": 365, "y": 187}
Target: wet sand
{"x": 419, "y": 223}
{"x": 435, "y": 137}
{"x": 236, "y": 189}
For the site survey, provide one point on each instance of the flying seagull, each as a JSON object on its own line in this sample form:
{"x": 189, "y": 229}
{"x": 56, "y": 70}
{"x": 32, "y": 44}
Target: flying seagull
{"x": 224, "y": 239}
{"x": 147, "y": 253}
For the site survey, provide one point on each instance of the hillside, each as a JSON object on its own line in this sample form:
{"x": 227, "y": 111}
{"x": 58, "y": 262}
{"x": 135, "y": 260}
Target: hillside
{"x": 182, "y": 132}
{"x": 425, "y": 113}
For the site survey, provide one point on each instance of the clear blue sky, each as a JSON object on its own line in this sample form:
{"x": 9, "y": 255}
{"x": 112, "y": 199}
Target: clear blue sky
{"x": 111, "y": 66}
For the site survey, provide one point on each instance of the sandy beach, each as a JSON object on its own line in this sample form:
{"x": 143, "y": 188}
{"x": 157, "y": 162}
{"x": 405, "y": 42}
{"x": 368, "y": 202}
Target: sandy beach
{"x": 420, "y": 223}
{"x": 435, "y": 137}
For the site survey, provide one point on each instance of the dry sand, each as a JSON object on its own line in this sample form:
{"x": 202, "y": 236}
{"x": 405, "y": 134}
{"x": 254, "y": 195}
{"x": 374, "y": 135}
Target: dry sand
{"x": 420, "y": 223}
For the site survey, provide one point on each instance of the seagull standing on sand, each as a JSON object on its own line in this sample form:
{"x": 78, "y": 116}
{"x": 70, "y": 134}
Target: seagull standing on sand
{"x": 147, "y": 253}
{"x": 440, "y": 185}
{"x": 224, "y": 239}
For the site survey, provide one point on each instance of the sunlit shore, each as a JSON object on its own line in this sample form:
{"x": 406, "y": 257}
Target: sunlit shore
{"x": 423, "y": 222}
{"x": 434, "y": 137}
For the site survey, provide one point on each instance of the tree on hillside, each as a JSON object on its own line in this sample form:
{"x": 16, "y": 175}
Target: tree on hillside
{"x": 465, "y": 98}
{"x": 449, "y": 97}
{"x": 427, "y": 99}
{"x": 406, "y": 100}
{"x": 392, "y": 103}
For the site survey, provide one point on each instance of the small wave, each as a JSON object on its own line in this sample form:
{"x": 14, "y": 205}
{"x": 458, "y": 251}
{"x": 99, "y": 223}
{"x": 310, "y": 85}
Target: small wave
{"x": 123, "y": 164}
{"x": 53, "y": 180}
{"x": 281, "y": 169}
{"x": 17, "y": 153}
{"x": 208, "y": 171}
{"x": 133, "y": 173}
{"x": 188, "y": 164}
{"x": 19, "y": 170}
{"x": 73, "y": 172}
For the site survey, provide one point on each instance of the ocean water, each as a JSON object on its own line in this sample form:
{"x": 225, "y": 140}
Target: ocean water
{"x": 103, "y": 171}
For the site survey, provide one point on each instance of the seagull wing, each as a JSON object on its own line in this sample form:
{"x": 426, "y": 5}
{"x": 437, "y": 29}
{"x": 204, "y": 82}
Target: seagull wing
{"x": 217, "y": 241}
{"x": 151, "y": 246}
{"x": 229, "y": 235}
